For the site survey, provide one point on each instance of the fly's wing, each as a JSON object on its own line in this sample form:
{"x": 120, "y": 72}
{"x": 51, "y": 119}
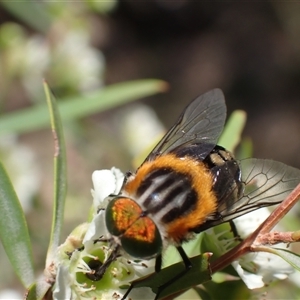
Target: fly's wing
{"x": 265, "y": 183}
{"x": 201, "y": 122}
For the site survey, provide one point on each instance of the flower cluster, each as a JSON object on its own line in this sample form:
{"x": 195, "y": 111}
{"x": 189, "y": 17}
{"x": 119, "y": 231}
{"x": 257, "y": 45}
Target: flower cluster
{"x": 88, "y": 248}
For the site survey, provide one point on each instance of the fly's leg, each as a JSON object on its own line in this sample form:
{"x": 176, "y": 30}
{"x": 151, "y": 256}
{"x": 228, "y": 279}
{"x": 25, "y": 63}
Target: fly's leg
{"x": 187, "y": 264}
{"x": 158, "y": 264}
{"x": 235, "y": 231}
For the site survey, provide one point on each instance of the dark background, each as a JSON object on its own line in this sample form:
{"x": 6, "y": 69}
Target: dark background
{"x": 249, "y": 50}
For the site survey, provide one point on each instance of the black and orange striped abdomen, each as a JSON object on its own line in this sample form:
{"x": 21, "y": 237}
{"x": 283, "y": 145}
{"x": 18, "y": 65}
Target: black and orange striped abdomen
{"x": 175, "y": 192}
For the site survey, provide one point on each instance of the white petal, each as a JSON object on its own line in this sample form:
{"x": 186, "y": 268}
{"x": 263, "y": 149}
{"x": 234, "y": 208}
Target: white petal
{"x": 246, "y": 224}
{"x": 96, "y": 229}
{"x": 272, "y": 266}
{"x": 119, "y": 176}
{"x": 252, "y": 281}
{"x": 62, "y": 288}
{"x": 104, "y": 182}
{"x": 266, "y": 265}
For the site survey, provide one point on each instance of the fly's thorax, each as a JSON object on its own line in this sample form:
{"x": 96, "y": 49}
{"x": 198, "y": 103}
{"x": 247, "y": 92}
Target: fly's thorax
{"x": 219, "y": 156}
{"x": 228, "y": 185}
{"x": 176, "y": 193}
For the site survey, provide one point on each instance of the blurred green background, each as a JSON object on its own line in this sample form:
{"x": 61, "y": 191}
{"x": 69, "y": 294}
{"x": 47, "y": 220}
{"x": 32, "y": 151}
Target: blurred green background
{"x": 249, "y": 50}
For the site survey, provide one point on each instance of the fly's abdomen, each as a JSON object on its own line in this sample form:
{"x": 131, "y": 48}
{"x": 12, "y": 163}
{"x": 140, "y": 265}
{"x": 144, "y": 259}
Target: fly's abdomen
{"x": 167, "y": 195}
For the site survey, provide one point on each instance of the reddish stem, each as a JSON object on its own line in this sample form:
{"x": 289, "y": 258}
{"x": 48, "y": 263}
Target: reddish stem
{"x": 257, "y": 236}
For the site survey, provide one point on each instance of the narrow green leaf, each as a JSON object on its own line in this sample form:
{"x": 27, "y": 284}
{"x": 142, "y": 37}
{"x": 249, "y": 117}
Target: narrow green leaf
{"x": 199, "y": 273}
{"x": 231, "y": 135}
{"x": 37, "y": 117}
{"x": 292, "y": 258}
{"x": 60, "y": 177}
{"x": 33, "y": 13}
{"x": 14, "y": 232}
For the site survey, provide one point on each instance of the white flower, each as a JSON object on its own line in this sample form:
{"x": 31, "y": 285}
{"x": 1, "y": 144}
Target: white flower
{"x": 77, "y": 266}
{"x": 80, "y": 63}
{"x": 137, "y": 122}
{"x": 260, "y": 268}
{"x": 255, "y": 269}
{"x": 106, "y": 182}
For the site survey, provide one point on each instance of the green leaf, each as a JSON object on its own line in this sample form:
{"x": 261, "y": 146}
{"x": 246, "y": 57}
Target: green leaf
{"x": 33, "y": 13}
{"x": 231, "y": 135}
{"x": 199, "y": 273}
{"x": 292, "y": 258}
{"x": 37, "y": 117}
{"x": 192, "y": 248}
{"x": 38, "y": 290}
{"x": 31, "y": 293}
{"x": 229, "y": 289}
{"x": 217, "y": 240}
{"x": 14, "y": 232}
{"x": 202, "y": 293}
{"x": 60, "y": 177}
{"x": 189, "y": 294}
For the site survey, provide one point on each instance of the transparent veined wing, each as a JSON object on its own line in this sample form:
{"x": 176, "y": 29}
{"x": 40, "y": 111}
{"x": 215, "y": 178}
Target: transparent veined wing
{"x": 201, "y": 122}
{"x": 265, "y": 183}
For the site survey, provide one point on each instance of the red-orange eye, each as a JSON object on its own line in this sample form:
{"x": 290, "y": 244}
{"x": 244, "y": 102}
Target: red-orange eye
{"x": 138, "y": 234}
{"x": 121, "y": 213}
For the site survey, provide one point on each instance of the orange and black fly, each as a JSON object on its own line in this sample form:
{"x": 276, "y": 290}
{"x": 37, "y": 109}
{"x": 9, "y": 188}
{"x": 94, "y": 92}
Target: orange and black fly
{"x": 188, "y": 184}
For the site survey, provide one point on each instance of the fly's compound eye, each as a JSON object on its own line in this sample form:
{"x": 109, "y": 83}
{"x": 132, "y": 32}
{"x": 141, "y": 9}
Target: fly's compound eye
{"x": 137, "y": 233}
